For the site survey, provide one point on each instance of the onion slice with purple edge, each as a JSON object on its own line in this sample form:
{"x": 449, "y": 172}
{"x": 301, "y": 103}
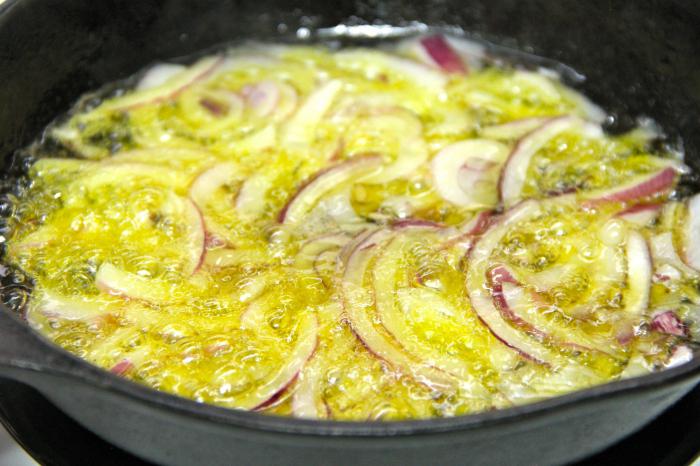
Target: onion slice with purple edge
{"x": 394, "y": 317}
{"x": 358, "y": 301}
{"x": 211, "y": 179}
{"x": 692, "y": 233}
{"x": 514, "y": 174}
{"x": 520, "y": 306}
{"x": 640, "y": 214}
{"x": 443, "y": 55}
{"x": 513, "y": 129}
{"x": 644, "y": 186}
{"x": 301, "y": 128}
{"x": 664, "y": 253}
{"x": 639, "y": 272}
{"x": 324, "y": 181}
{"x": 307, "y": 339}
{"x": 307, "y": 396}
{"x": 195, "y": 231}
{"x": 412, "y": 151}
{"x": 466, "y": 172}
{"x": 172, "y": 86}
{"x": 117, "y": 282}
{"x": 480, "y": 295}
{"x": 158, "y": 75}
{"x": 668, "y": 322}
{"x": 53, "y": 304}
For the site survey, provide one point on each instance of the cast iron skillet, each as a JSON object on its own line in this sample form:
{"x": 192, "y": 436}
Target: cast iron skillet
{"x": 641, "y": 58}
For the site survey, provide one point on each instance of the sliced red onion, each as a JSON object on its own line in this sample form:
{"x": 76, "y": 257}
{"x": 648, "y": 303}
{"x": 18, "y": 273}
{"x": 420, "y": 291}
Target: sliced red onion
{"x": 307, "y": 396}
{"x": 512, "y": 180}
{"x": 195, "y": 237}
{"x": 640, "y": 214}
{"x": 312, "y": 251}
{"x": 519, "y": 306}
{"x": 513, "y": 129}
{"x": 251, "y": 200}
{"x": 262, "y": 97}
{"x": 664, "y": 273}
{"x": 117, "y": 282}
{"x": 466, "y": 173}
{"x": 480, "y": 296}
{"x": 443, "y": 55}
{"x": 639, "y": 274}
{"x": 185, "y": 210}
{"x": 649, "y": 185}
{"x": 664, "y": 252}
{"x": 326, "y": 180}
{"x": 301, "y": 127}
{"x": 122, "y": 367}
{"x": 393, "y": 317}
{"x": 70, "y": 308}
{"x": 169, "y": 88}
{"x": 411, "y": 223}
{"x": 668, "y": 322}
{"x": 158, "y": 75}
{"x": 358, "y": 300}
{"x": 508, "y": 299}
{"x": 412, "y": 152}
{"x": 307, "y": 338}
{"x": 692, "y": 233}
{"x": 210, "y": 180}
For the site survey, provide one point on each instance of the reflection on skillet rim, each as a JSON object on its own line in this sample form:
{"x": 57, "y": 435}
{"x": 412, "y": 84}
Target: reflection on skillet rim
{"x": 103, "y": 380}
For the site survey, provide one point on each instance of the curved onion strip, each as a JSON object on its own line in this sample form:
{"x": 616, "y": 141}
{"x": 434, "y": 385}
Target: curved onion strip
{"x": 251, "y": 200}
{"x": 639, "y": 274}
{"x": 442, "y": 54}
{"x": 641, "y": 187}
{"x": 384, "y": 273}
{"x": 641, "y": 214}
{"x": 521, "y": 307}
{"x": 211, "y": 179}
{"x": 195, "y": 237}
{"x": 358, "y": 300}
{"x": 307, "y": 339}
{"x": 412, "y": 152}
{"x": 169, "y": 89}
{"x": 481, "y": 299}
{"x": 313, "y": 248}
{"x": 158, "y": 75}
{"x": 466, "y": 172}
{"x": 52, "y": 304}
{"x": 306, "y": 400}
{"x": 668, "y": 322}
{"x": 377, "y": 62}
{"x": 692, "y": 233}
{"x": 512, "y": 180}
{"x": 664, "y": 252}
{"x": 300, "y": 129}
{"x": 117, "y": 282}
{"x": 324, "y": 181}
{"x": 513, "y": 129}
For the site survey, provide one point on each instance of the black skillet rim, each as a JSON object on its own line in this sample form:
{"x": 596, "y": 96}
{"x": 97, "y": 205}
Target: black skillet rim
{"x": 101, "y": 379}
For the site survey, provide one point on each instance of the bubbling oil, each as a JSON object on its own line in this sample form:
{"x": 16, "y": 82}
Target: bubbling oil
{"x": 263, "y": 229}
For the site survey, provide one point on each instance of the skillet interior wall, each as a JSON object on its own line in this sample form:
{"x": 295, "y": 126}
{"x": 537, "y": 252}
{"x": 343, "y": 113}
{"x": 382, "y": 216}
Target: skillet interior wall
{"x": 639, "y": 57}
